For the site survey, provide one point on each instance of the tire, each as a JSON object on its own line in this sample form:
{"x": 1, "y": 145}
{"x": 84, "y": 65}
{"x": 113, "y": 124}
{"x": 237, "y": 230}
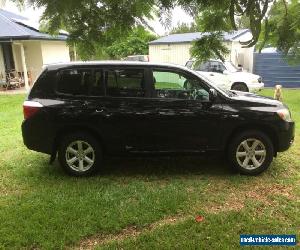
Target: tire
{"x": 255, "y": 158}
{"x": 240, "y": 87}
{"x": 79, "y": 154}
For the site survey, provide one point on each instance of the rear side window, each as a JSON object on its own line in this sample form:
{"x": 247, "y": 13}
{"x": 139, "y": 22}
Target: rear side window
{"x": 125, "y": 82}
{"x": 97, "y": 86}
{"x": 44, "y": 85}
{"x": 75, "y": 81}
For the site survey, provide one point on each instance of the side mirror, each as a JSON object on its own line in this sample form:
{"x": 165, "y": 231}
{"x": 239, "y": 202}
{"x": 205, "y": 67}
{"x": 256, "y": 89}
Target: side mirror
{"x": 226, "y": 72}
{"x": 213, "y": 95}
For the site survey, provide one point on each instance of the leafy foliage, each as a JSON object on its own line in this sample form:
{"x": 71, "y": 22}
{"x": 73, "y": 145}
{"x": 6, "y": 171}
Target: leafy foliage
{"x": 135, "y": 44}
{"x": 209, "y": 46}
{"x": 92, "y": 22}
{"x": 211, "y": 19}
{"x": 224, "y": 15}
{"x": 281, "y": 30}
{"x": 131, "y": 46}
{"x": 184, "y": 28}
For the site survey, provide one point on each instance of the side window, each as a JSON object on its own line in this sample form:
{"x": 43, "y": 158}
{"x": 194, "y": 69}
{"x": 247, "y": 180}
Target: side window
{"x": 216, "y": 67}
{"x": 75, "y": 81}
{"x": 44, "y": 85}
{"x": 169, "y": 84}
{"x": 202, "y": 66}
{"x": 221, "y": 67}
{"x": 97, "y": 86}
{"x": 125, "y": 82}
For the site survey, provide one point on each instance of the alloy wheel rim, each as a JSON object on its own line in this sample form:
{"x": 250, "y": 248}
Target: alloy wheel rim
{"x": 251, "y": 154}
{"x": 80, "y": 156}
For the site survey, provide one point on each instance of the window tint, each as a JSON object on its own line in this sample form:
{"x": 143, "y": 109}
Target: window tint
{"x": 75, "y": 81}
{"x": 44, "y": 85}
{"x": 97, "y": 86}
{"x": 125, "y": 82}
{"x": 168, "y": 84}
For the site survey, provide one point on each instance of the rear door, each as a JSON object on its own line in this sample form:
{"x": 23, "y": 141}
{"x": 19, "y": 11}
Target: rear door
{"x": 123, "y": 112}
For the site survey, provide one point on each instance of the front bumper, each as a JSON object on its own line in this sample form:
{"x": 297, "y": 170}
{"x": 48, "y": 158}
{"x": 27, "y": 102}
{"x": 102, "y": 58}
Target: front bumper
{"x": 255, "y": 87}
{"x": 286, "y": 136}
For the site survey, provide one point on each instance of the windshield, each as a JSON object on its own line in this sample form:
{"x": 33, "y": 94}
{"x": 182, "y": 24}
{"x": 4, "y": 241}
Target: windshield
{"x": 230, "y": 67}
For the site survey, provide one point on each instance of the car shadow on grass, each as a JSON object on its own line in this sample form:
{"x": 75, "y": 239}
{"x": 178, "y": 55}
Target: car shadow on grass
{"x": 214, "y": 165}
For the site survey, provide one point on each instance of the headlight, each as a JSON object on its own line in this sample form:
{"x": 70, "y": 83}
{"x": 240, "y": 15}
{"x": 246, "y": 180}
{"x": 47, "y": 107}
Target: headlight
{"x": 254, "y": 81}
{"x": 284, "y": 114}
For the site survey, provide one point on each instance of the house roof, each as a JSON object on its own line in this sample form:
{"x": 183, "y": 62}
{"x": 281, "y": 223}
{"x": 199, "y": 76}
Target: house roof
{"x": 189, "y": 37}
{"x": 16, "y": 27}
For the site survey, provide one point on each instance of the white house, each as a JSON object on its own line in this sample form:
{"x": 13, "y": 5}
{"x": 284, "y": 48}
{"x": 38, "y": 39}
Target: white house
{"x": 25, "y": 49}
{"x": 175, "y": 48}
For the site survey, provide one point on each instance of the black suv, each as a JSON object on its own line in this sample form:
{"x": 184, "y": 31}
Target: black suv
{"x": 87, "y": 110}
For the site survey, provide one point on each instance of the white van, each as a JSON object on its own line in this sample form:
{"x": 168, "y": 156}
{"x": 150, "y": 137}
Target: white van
{"x": 227, "y": 76}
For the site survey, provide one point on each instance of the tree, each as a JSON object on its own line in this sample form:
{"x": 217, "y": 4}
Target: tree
{"x": 94, "y": 22}
{"x": 135, "y": 44}
{"x": 281, "y": 29}
{"x": 217, "y": 17}
{"x": 243, "y": 22}
{"x": 184, "y": 28}
{"x": 131, "y": 46}
{"x": 211, "y": 47}
{"x": 102, "y": 21}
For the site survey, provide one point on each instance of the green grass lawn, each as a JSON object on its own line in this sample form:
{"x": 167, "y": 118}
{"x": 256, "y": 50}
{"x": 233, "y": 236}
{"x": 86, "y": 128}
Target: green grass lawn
{"x": 141, "y": 203}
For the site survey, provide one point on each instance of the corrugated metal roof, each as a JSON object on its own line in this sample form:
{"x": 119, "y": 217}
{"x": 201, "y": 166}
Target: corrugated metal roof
{"x": 12, "y": 28}
{"x": 189, "y": 37}
{"x": 11, "y": 15}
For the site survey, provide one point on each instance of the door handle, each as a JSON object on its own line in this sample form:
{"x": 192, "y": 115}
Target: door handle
{"x": 99, "y": 110}
{"x": 103, "y": 112}
{"x": 231, "y": 116}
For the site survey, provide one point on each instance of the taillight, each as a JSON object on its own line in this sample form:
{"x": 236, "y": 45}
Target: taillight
{"x": 30, "y": 108}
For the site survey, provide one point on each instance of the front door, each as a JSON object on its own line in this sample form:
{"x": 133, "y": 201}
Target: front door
{"x": 185, "y": 120}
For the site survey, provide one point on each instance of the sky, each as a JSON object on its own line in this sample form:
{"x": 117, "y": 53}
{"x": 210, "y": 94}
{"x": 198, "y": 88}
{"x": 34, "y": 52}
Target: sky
{"x": 34, "y": 15}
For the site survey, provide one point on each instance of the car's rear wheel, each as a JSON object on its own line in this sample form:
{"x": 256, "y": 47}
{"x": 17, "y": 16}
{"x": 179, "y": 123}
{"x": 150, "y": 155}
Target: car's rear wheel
{"x": 240, "y": 87}
{"x": 79, "y": 154}
{"x": 251, "y": 152}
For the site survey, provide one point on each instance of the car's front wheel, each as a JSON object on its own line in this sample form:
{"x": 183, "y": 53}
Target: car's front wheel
{"x": 251, "y": 152}
{"x": 79, "y": 154}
